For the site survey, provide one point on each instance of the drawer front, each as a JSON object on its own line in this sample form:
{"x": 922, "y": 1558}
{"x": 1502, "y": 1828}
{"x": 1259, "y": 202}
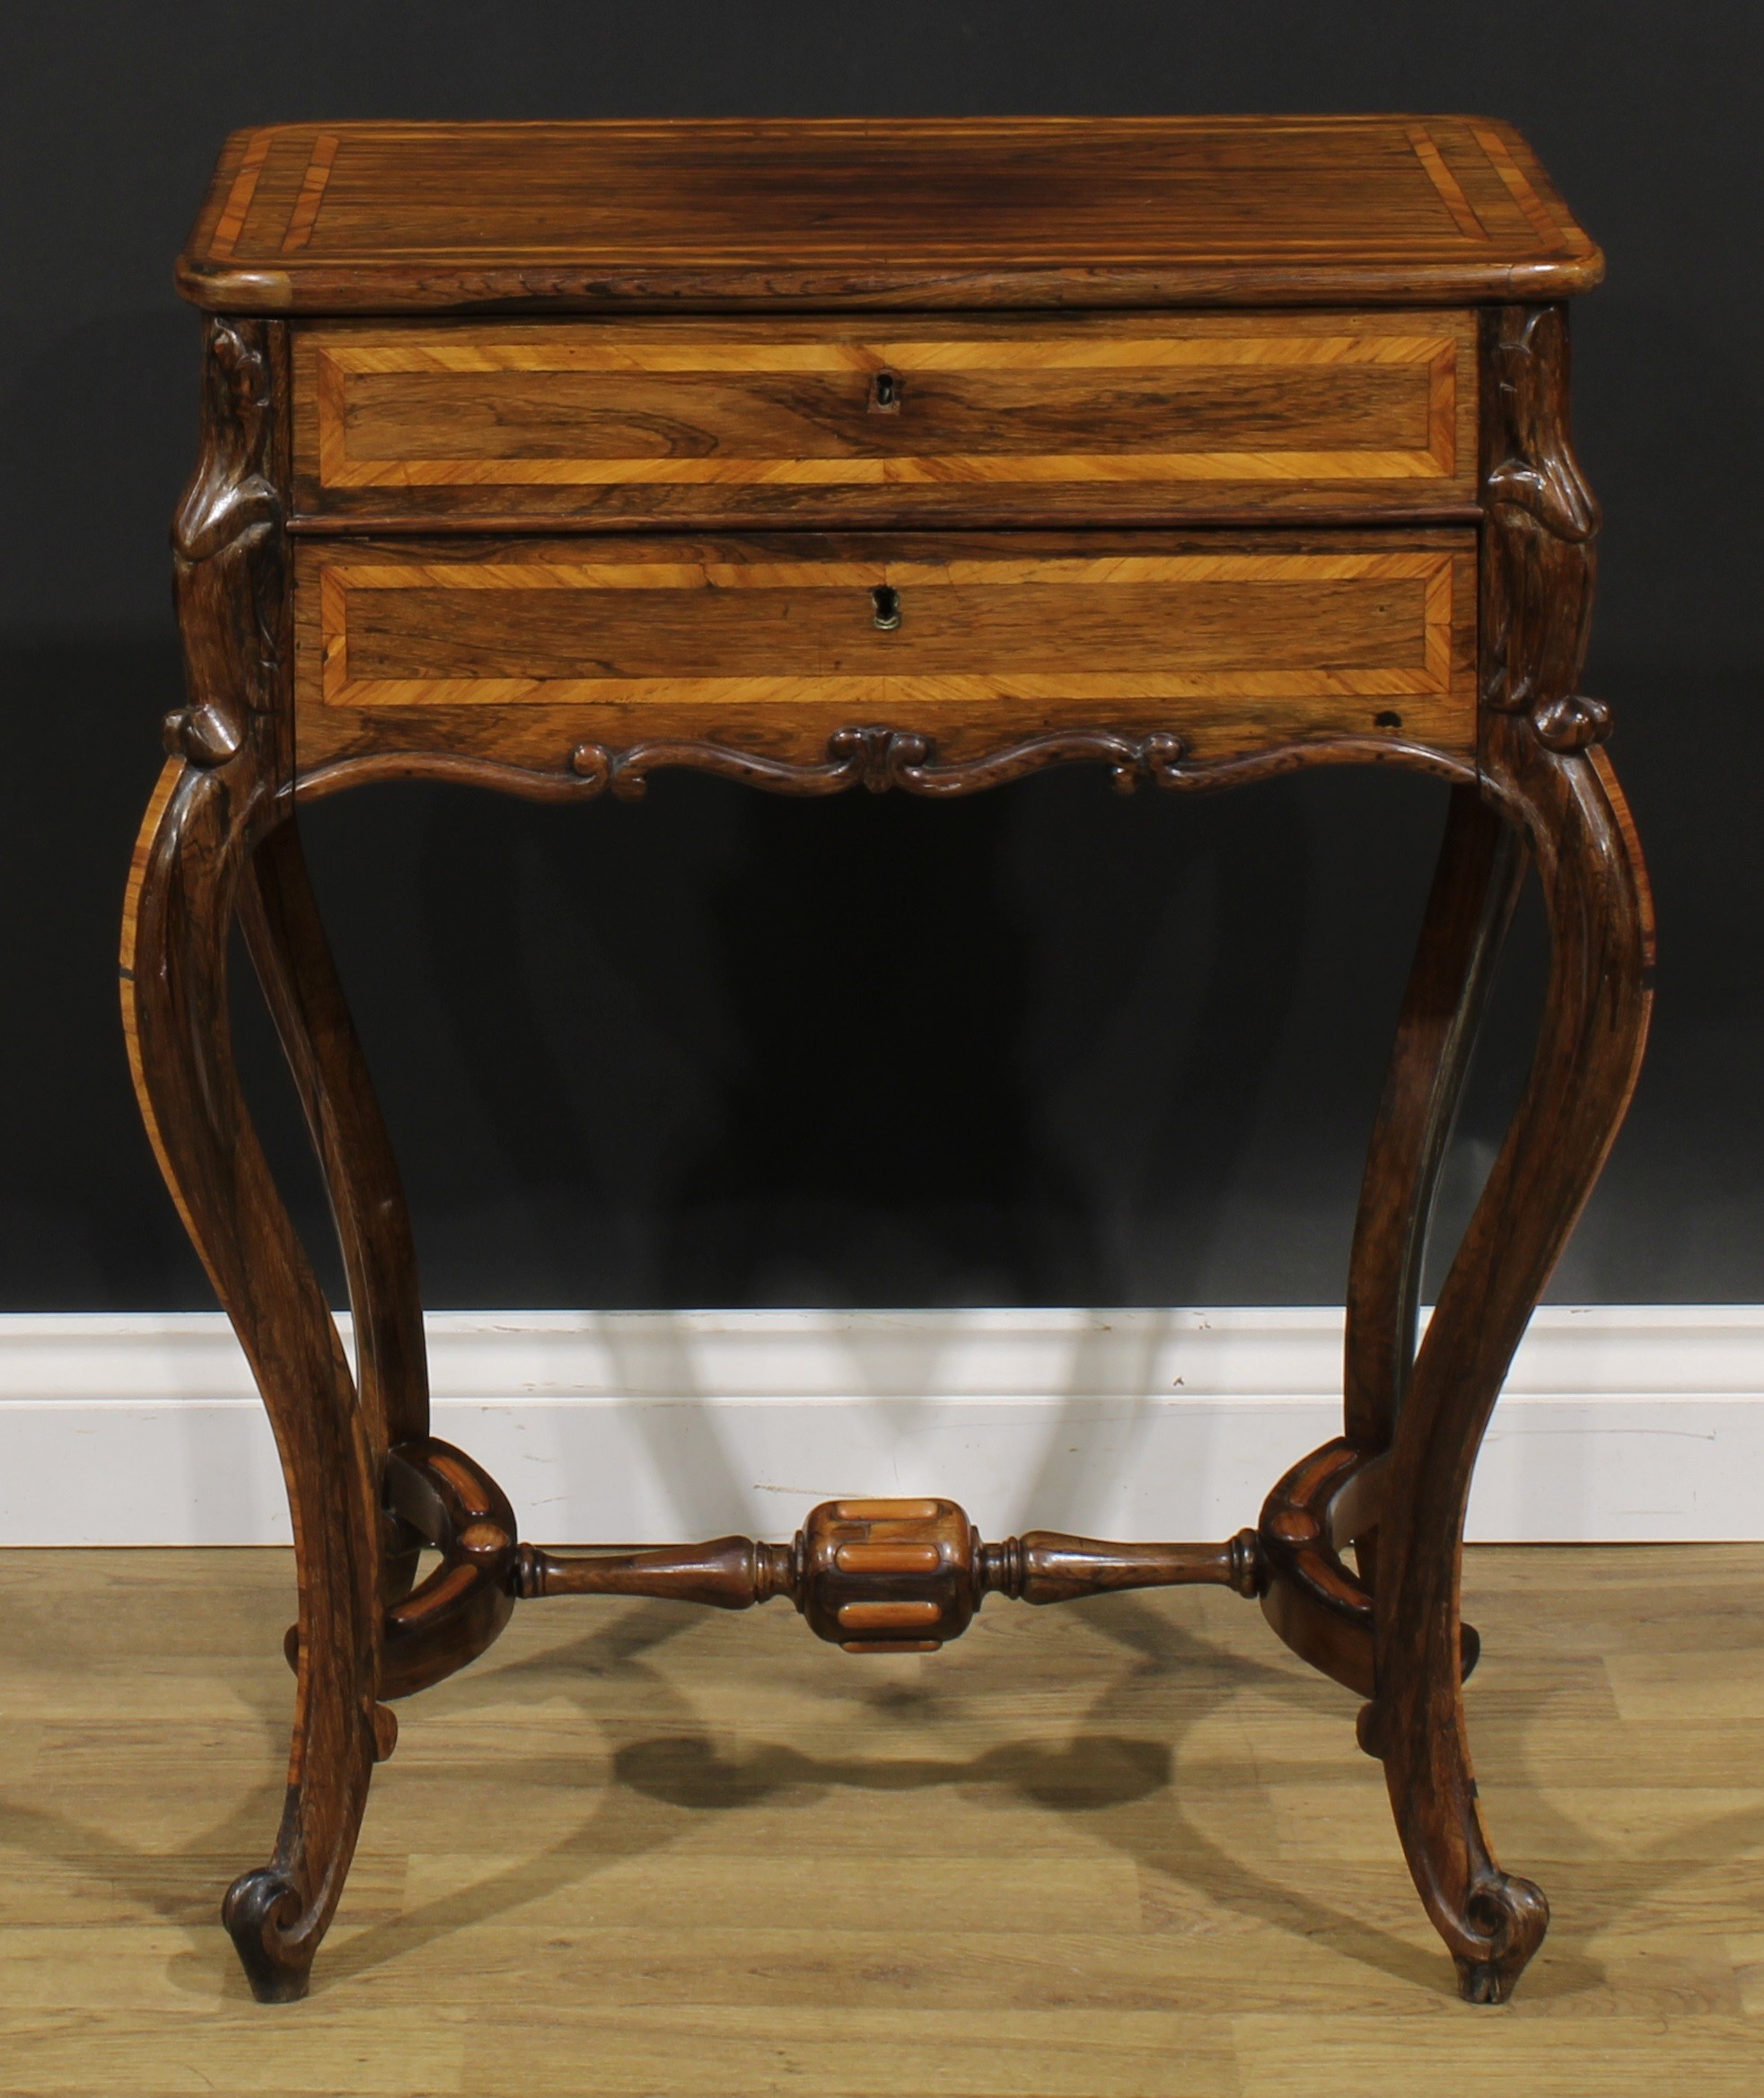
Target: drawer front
{"x": 523, "y": 650}
{"x": 906, "y": 419}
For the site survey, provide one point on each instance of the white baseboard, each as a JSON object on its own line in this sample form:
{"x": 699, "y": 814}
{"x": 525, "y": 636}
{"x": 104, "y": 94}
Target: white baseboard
{"x": 1620, "y": 1423}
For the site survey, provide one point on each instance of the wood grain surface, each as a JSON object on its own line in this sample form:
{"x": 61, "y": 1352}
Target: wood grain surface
{"x": 464, "y": 548}
{"x": 982, "y": 419}
{"x": 374, "y": 217}
{"x": 522, "y": 650}
{"x": 640, "y": 1849}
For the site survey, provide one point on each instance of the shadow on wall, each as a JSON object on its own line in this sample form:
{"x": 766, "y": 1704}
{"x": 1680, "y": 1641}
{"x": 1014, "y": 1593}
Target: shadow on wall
{"x": 732, "y": 1050}
{"x": 84, "y": 1220}
{"x": 714, "y": 1048}
{"x": 94, "y": 447}
{"x": 1046, "y": 1046}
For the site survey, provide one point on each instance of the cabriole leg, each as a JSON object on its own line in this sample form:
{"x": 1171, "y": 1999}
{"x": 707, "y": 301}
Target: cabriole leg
{"x": 1482, "y": 864}
{"x": 188, "y": 866}
{"x": 1588, "y": 1055}
{"x": 286, "y": 941}
{"x": 220, "y": 799}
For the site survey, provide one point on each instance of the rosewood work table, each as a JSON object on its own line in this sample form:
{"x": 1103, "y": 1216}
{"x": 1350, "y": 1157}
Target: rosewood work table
{"x": 894, "y": 455}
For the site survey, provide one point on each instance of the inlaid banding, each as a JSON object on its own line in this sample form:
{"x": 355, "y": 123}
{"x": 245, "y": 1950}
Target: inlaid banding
{"x": 887, "y": 1511}
{"x": 232, "y": 221}
{"x": 428, "y": 1599}
{"x": 887, "y": 1617}
{"x": 464, "y": 1481}
{"x": 305, "y": 212}
{"x": 669, "y": 418}
{"x": 888, "y": 1558}
{"x": 1451, "y": 191}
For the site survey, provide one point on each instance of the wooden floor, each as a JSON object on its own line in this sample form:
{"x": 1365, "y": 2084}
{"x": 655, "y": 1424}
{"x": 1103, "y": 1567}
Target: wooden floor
{"x": 1124, "y": 1846}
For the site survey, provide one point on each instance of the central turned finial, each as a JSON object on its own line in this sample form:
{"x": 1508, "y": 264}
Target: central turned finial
{"x": 888, "y": 1576}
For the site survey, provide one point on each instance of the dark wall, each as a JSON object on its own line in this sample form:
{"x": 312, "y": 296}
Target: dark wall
{"x": 1039, "y": 1046}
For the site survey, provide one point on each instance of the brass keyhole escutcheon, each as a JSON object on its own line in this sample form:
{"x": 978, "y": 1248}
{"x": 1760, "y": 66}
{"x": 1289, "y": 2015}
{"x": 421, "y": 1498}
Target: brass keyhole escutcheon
{"x": 885, "y": 394}
{"x": 886, "y": 599}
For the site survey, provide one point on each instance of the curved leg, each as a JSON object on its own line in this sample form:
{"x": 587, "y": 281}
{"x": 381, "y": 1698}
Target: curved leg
{"x": 286, "y": 938}
{"x": 200, "y": 826}
{"x": 1588, "y": 1055}
{"x": 1482, "y": 866}
{"x": 1481, "y": 869}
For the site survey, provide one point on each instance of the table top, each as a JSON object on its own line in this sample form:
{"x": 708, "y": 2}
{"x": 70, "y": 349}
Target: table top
{"x": 1012, "y": 212}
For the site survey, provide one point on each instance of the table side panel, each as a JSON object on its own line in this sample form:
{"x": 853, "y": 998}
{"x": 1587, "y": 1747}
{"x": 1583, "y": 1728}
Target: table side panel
{"x": 520, "y": 651}
{"x": 919, "y": 418}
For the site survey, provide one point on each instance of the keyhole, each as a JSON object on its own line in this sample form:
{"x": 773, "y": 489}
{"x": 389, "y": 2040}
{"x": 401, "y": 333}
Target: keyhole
{"x": 885, "y": 394}
{"x": 886, "y": 599}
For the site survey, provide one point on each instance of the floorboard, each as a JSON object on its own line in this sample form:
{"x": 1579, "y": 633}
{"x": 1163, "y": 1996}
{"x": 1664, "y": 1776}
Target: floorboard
{"x": 1124, "y": 1846}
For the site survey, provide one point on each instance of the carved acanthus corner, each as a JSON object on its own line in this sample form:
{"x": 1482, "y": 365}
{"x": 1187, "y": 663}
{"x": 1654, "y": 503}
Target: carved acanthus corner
{"x": 1538, "y": 560}
{"x": 230, "y": 551}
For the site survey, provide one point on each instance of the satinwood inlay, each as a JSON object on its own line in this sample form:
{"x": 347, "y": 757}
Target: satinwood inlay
{"x": 611, "y": 642}
{"x": 1346, "y": 402}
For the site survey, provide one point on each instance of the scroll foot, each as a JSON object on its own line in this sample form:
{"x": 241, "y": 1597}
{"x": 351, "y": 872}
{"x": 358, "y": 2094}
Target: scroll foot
{"x": 261, "y": 1913}
{"x": 1512, "y": 1914}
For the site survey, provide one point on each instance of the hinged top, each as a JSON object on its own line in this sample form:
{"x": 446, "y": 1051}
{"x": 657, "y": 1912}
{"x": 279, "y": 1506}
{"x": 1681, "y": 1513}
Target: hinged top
{"x": 1019, "y": 211}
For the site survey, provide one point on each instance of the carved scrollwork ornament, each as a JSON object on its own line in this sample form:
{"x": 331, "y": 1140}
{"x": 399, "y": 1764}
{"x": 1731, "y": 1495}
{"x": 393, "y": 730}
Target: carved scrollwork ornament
{"x": 1573, "y": 723}
{"x": 231, "y": 496}
{"x": 880, "y": 759}
{"x": 1540, "y": 562}
{"x": 204, "y": 736}
{"x": 229, "y": 550}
